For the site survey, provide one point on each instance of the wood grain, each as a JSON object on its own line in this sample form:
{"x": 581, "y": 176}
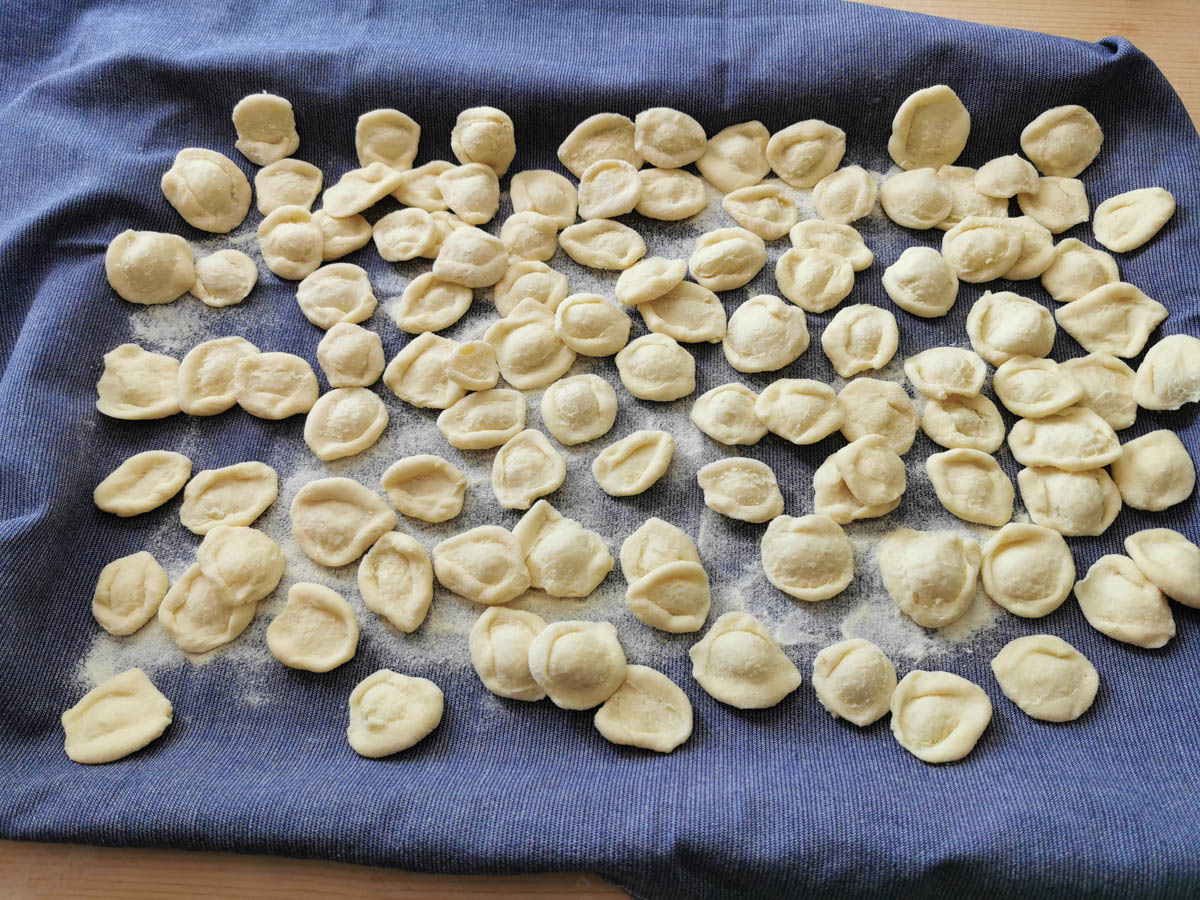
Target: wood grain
{"x": 1164, "y": 29}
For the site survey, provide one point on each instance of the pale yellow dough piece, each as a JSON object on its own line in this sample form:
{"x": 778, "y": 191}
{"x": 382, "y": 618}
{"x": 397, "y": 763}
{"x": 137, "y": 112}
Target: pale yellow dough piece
{"x": 840, "y": 240}
{"x": 484, "y": 134}
{"x": 602, "y": 244}
{"x": 199, "y": 615}
{"x": 291, "y": 243}
{"x": 525, "y": 468}
{"x": 871, "y": 406}
{"x": 608, "y": 188}
{"x": 529, "y": 279}
{"x": 430, "y": 304}
{"x": 471, "y": 257}
{"x": 483, "y": 419}
{"x": 341, "y": 236}
{"x": 564, "y": 558}
{"x": 360, "y": 189}
{"x": 602, "y": 136}
{"x": 764, "y": 209}
{"x": 648, "y": 710}
{"x": 1169, "y": 375}
{"x": 286, "y": 182}
{"x": 578, "y": 664}
{"x": 1154, "y": 471}
{"x": 931, "y": 575}
{"x": 687, "y": 312}
{"x": 406, "y": 234}
{"x": 668, "y": 138}
{"x": 1062, "y": 141}
{"x": 656, "y": 367}
{"x": 981, "y": 249}
{"x": 245, "y": 563}
{"x": 942, "y": 372}
{"x": 809, "y": 558}
{"x": 649, "y": 278}
{"x": 1027, "y": 569}
{"x": 1076, "y": 270}
{"x": 1107, "y": 385}
{"x": 1003, "y": 325}
{"x": 1057, "y": 204}
{"x": 316, "y": 631}
{"x": 1120, "y": 601}
{"x": 799, "y": 410}
{"x": 1170, "y": 561}
{"x": 655, "y": 543}
{"x": 1074, "y": 440}
{"x": 921, "y": 282}
{"x": 805, "y": 152}
{"x": 860, "y": 337}
{"x": 593, "y": 325}
{"x": 485, "y": 564}
{"x": 741, "y": 488}
{"x": 765, "y": 334}
{"x": 736, "y": 157}
{"x": 579, "y": 409}
{"x": 274, "y": 385}
{"x": 472, "y": 366}
{"x": 137, "y": 384}
{"x": 390, "y": 712}
{"x": 472, "y": 192}
{"x": 425, "y": 487}
{"x": 386, "y": 136}
{"x": 529, "y": 235}
{"x": 938, "y": 716}
{"x": 1115, "y": 318}
{"x": 337, "y": 292}
{"x": 814, "y": 279}
{"x": 545, "y": 192}
{"x": 529, "y": 350}
{"x": 916, "y": 199}
{"x": 224, "y": 278}
{"x": 832, "y": 497}
{"x": 965, "y": 199}
{"x": 1046, "y": 677}
{"x": 1126, "y": 221}
{"x": 929, "y": 129}
{"x": 266, "y": 128}
{"x": 350, "y": 356}
{"x": 208, "y": 190}
{"x": 855, "y": 681}
{"x": 1037, "y": 250}
{"x": 726, "y": 414}
{"x": 1072, "y": 503}
{"x": 335, "y": 520}
{"x": 973, "y": 423}
{"x": 207, "y": 373}
{"x": 233, "y": 495}
{"x": 1033, "y": 387}
{"x": 871, "y": 470}
{"x": 417, "y": 374}
{"x": 846, "y": 195}
{"x": 634, "y": 463}
{"x": 972, "y": 486}
{"x": 727, "y": 258}
{"x": 738, "y": 662}
{"x": 143, "y": 482}
{"x": 499, "y": 643}
{"x": 128, "y": 593}
{"x": 670, "y": 195}
{"x": 1006, "y": 176}
{"x": 418, "y": 187}
{"x": 116, "y": 718}
{"x": 673, "y": 597}
{"x": 344, "y": 422}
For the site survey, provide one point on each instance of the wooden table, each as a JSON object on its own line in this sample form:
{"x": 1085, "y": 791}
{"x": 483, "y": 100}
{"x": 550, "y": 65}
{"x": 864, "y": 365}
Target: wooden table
{"x": 1164, "y": 29}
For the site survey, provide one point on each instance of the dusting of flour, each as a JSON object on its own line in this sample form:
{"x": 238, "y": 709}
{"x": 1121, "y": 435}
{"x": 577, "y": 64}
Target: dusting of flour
{"x": 729, "y": 549}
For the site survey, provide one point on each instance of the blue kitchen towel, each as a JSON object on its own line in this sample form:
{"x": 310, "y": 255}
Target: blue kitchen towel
{"x": 95, "y": 99}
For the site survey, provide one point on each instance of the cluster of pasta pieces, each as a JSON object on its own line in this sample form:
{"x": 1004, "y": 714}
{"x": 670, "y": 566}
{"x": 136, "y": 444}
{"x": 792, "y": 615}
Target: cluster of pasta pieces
{"x": 1066, "y": 435}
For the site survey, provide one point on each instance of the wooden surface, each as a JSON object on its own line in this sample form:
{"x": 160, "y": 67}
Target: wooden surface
{"x": 1164, "y": 29}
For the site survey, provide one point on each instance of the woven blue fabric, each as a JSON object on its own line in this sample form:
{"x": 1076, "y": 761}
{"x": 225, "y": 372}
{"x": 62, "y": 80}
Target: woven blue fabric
{"x": 94, "y": 102}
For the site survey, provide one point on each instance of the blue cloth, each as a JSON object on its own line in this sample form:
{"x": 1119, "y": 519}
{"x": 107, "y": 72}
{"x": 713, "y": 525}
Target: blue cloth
{"x": 94, "y": 102}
